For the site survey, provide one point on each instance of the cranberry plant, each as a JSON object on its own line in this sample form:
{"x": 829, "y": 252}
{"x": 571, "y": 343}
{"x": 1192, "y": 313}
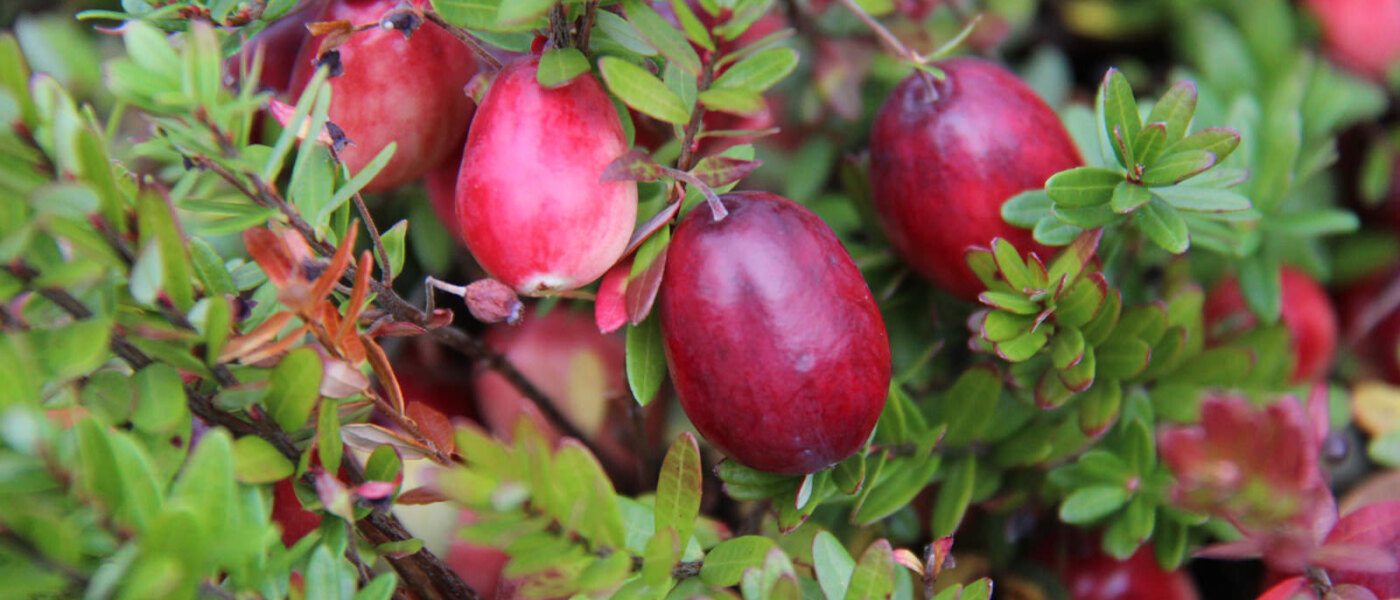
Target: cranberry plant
{"x": 828, "y": 299}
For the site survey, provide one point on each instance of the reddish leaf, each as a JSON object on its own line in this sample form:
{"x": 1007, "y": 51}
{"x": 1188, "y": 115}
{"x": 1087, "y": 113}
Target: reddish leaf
{"x": 1359, "y": 558}
{"x": 421, "y": 495}
{"x": 642, "y": 288}
{"x": 653, "y": 225}
{"x": 1236, "y": 550}
{"x": 908, "y": 560}
{"x": 719, "y": 171}
{"x": 635, "y": 165}
{"x": 1376, "y": 525}
{"x": 609, "y": 306}
{"x": 266, "y": 249}
{"x": 375, "y": 490}
{"x": 433, "y": 424}
{"x": 1295, "y": 588}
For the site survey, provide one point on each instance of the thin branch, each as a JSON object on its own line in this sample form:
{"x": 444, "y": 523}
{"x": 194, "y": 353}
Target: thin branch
{"x": 590, "y": 15}
{"x": 385, "y": 271}
{"x": 74, "y": 577}
{"x": 892, "y": 42}
{"x": 692, "y": 128}
{"x": 559, "y": 27}
{"x": 463, "y": 36}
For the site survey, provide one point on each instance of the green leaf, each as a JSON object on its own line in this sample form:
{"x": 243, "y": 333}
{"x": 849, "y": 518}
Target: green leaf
{"x": 1067, "y": 348}
{"x": 1175, "y": 108}
{"x": 1083, "y": 186}
{"x": 559, "y": 66}
{"x": 156, "y": 222}
{"x": 1314, "y": 222}
{"x": 849, "y": 475}
{"x": 1123, "y": 357}
{"x": 725, "y": 564}
{"x": 621, "y": 31}
{"x": 356, "y": 183}
{"x": 1022, "y": 347}
{"x": 255, "y": 461}
{"x": 384, "y": 464}
{"x": 678, "y": 488}
{"x": 1026, "y": 209}
{"x": 1120, "y": 111}
{"x": 1012, "y": 267}
{"x": 873, "y": 577}
{"x": 1128, "y": 197}
{"x": 1151, "y": 140}
{"x": 646, "y": 360}
{"x": 594, "y": 510}
{"x": 1175, "y": 168}
{"x": 326, "y": 577}
{"x": 662, "y": 36}
{"x": 1089, "y": 504}
{"x": 380, "y": 588}
{"x": 970, "y": 405}
{"x": 643, "y": 91}
{"x": 691, "y": 25}
{"x": 160, "y": 400}
{"x": 732, "y": 100}
{"x": 1385, "y": 449}
{"x": 328, "y": 443}
{"x": 294, "y": 387}
{"x": 1261, "y": 284}
{"x": 1204, "y": 199}
{"x": 206, "y": 484}
{"x": 759, "y": 71}
{"x": 954, "y": 496}
{"x": 515, "y": 12}
{"x": 393, "y": 241}
{"x": 1163, "y": 226}
{"x": 832, "y": 564}
{"x": 1220, "y": 141}
{"x": 1053, "y": 232}
{"x": 1099, "y": 405}
{"x": 662, "y": 552}
{"x": 901, "y": 480}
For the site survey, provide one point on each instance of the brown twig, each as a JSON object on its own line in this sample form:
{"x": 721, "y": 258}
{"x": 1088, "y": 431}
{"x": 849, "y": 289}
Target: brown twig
{"x": 892, "y": 42}
{"x": 692, "y": 128}
{"x": 466, "y": 38}
{"x": 585, "y": 29}
{"x": 386, "y": 274}
{"x": 559, "y": 27}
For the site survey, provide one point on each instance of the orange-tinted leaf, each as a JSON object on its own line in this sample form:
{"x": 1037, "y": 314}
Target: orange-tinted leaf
{"x": 433, "y": 425}
{"x": 382, "y": 369}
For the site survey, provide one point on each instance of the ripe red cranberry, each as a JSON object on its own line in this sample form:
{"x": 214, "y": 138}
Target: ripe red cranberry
{"x": 529, "y": 200}
{"x": 776, "y": 347}
{"x": 1379, "y": 347}
{"x": 940, "y": 168}
{"x": 393, "y": 89}
{"x": 1307, "y": 312}
{"x": 1102, "y": 577}
{"x": 1090, "y": 574}
{"x": 296, "y": 521}
{"x": 1362, "y": 35}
